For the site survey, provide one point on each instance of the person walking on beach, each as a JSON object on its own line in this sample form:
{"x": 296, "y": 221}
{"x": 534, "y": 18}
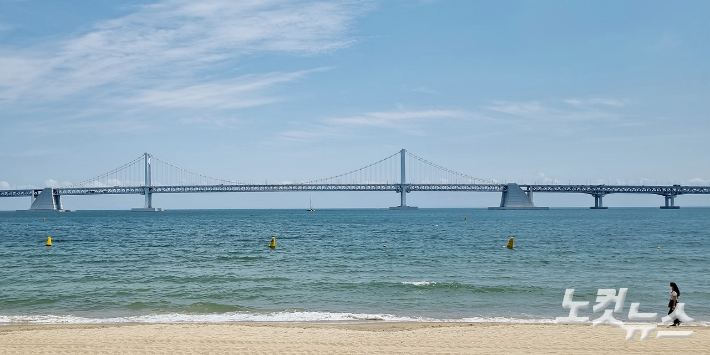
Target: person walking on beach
{"x": 675, "y": 292}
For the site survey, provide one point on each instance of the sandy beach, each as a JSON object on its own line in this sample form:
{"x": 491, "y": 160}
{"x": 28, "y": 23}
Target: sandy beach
{"x": 369, "y": 338}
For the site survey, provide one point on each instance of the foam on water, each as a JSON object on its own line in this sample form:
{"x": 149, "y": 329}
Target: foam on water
{"x": 418, "y": 283}
{"x": 228, "y": 317}
{"x": 284, "y": 317}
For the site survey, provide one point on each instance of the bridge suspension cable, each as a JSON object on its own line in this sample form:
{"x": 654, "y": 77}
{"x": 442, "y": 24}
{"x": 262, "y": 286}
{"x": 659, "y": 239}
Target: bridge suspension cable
{"x": 127, "y": 175}
{"x": 162, "y": 173}
{"x": 384, "y": 171}
{"x": 167, "y": 174}
{"x": 388, "y": 170}
{"x": 422, "y": 171}
{"x": 381, "y": 171}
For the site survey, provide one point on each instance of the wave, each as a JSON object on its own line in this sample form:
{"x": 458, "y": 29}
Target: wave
{"x": 512, "y": 289}
{"x": 296, "y": 317}
{"x": 418, "y": 283}
{"x": 282, "y": 317}
{"x": 277, "y": 317}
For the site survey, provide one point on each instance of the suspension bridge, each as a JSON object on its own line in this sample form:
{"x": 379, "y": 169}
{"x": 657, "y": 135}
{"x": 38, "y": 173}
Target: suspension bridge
{"x": 401, "y": 172}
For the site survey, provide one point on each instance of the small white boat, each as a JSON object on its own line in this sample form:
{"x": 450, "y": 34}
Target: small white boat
{"x": 310, "y": 208}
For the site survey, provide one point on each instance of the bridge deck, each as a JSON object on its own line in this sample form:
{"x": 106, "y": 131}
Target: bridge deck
{"x": 673, "y": 190}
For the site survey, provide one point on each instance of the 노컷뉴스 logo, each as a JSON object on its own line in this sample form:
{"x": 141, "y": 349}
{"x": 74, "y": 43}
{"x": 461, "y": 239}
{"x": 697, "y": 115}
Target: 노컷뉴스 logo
{"x": 607, "y": 296}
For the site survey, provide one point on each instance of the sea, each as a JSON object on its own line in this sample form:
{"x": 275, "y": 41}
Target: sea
{"x": 341, "y": 265}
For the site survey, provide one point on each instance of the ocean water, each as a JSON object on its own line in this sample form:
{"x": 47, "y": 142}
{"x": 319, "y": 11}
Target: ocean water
{"x": 332, "y": 265}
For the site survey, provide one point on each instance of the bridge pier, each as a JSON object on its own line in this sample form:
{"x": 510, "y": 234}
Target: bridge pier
{"x": 46, "y": 200}
{"x": 671, "y": 206}
{"x": 146, "y": 190}
{"x": 148, "y": 198}
{"x": 598, "y": 204}
{"x": 403, "y": 186}
{"x": 514, "y": 198}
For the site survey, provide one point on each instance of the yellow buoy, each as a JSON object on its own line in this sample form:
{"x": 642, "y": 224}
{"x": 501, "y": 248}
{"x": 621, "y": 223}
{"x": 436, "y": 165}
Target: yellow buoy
{"x": 384, "y": 245}
{"x": 49, "y": 241}
{"x": 659, "y": 247}
{"x": 44, "y": 220}
{"x": 510, "y": 243}
{"x": 272, "y": 245}
{"x": 464, "y": 218}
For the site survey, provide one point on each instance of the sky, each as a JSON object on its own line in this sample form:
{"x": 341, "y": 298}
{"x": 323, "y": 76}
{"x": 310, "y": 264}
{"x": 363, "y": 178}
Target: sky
{"x": 516, "y": 91}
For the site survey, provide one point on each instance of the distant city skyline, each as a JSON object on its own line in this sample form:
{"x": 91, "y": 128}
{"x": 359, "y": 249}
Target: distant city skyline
{"x": 516, "y": 91}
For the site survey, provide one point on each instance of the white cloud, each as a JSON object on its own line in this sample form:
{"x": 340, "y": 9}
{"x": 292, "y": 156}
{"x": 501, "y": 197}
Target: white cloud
{"x": 542, "y": 178}
{"x": 4, "y": 185}
{"x": 55, "y": 184}
{"x": 517, "y": 108}
{"x": 54, "y": 125}
{"x": 98, "y": 183}
{"x": 162, "y": 50}
{"x": 698, "y": 181}
{"x": 422, "y": 89}
{"x": 392, "y": 119}
{"x": 597, "y": 101}
{"x": 51, "y": 183}
{"x": 407, "y": 121}
{"x": 582, "y": 110}
{"x": 217, "y": 123}
{"x": 313, "y": 132}
{"x": 241, "y": 92}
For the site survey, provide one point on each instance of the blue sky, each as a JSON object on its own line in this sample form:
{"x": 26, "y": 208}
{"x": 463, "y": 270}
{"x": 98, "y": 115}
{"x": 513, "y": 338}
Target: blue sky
{"x": 519, "y": 91}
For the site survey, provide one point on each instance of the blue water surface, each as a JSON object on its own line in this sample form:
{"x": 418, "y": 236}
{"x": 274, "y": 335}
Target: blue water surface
{"x": 438, "y": 264}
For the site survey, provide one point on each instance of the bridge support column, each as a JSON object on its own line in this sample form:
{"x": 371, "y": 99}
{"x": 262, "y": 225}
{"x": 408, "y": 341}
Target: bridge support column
{"x": 670, "y": 203}
{"x": 598, "y": 203}
{"x": 514, "y": 198}
{"x": 403, "y": 197}
{"x": 403, "y": 185}
{"x": 148, "y": 198}
{"x": 46, "y": 200}
{"x": 146, "y": 189}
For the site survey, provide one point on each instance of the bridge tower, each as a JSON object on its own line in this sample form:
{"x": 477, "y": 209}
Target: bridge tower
{"x": 146, "y": 189}
{"x": 403, "y": 188}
